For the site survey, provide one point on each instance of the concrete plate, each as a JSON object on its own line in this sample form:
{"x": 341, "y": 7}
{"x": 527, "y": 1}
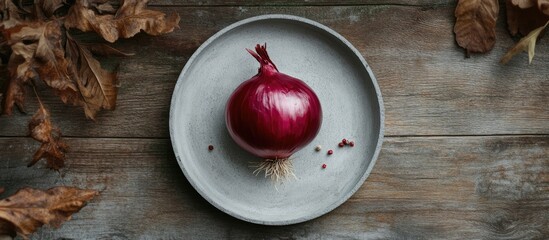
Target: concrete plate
{"x": 351, "y": 103}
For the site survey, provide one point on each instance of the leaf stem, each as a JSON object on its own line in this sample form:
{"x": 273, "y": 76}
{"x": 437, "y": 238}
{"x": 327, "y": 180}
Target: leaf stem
{"x": 36, "y": 94}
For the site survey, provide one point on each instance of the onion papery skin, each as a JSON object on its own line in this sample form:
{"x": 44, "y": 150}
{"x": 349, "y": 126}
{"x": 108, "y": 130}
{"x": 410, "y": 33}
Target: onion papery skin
{"x": 272, "y": 115}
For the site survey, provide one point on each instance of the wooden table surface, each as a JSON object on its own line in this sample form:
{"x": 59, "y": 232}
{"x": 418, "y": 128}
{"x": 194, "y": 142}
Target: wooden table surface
{"x": 466, "y": 150}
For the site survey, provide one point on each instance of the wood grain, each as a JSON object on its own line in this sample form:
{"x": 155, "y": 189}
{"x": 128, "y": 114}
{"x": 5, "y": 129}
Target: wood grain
{"x": 429, "y": 88}
{"x": 421, "y": 187}
{"x": 297, "y": 3}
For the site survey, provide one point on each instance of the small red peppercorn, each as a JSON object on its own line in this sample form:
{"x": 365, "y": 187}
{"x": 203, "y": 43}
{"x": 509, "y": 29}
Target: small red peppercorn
{"x": 352, "y": 144}
{"x": 330, "y": 152}
{"x": 341, "y": 144}
{"x": 210, "y": 147}
{"x": 323, "y": 165}
{"x": 344, "y": 141}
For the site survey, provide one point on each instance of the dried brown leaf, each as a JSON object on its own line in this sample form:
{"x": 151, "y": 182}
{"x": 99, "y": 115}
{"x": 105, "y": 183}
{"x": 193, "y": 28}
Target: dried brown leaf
{"x": 543, "y": 6}
{"x": 35, "y": 39}
{"x": 523, "y": 3}
{"x": 48, "y": 7}
{"x": 5, "y": 50}
{"x": 28, "y": 209}
{"x": 21, "y": 72}
{"x": 20, "y": 67}
{"x": 11, "y": 14}
{"x": 106, "y": 50}
{"x": 7, "y": 230}
{"x": 527, "y": 44}
{"x": 51, "y": 58}
{"x": 96, "y": 86}
{"x": 13, "y": 90}
{"x": 131, "y": 18}
{"x": 523, "y": 21}
{"x": 53, "y": 148}
{"x": 475, "y": 27}
{"x": 103, "y": 7}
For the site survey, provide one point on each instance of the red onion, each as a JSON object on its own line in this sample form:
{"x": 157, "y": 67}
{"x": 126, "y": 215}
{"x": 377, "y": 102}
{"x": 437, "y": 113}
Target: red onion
{"x": 273, "y": 115}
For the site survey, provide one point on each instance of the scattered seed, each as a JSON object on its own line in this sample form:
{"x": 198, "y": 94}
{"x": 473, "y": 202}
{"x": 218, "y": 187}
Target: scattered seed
{"x": 330, "y": 152}
{"x": 323, "y": 165}
{"x": 210, "y": 147}
{"x": 352, "y": 144}
{"x": 341, "y": 144}
{"x": 318, "y": 148}
{"x": 344, "y": 141}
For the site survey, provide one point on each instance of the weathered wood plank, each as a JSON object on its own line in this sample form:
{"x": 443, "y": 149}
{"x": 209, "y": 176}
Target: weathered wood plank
{"x": 297, "y": 3}
{"x": 421, "y": 187}
{"x": 429, "y": 88}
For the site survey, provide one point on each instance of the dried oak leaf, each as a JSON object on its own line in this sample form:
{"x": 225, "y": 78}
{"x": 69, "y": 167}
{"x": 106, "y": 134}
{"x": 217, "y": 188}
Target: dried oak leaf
{"x": 475, "y": 27}
{"x": 523, "y": 21}
{"x": 74, "y": 75}
{"x": 7, "y": 230}
{"x": 53, "y": 148}
{"x": 40, "y": 44}
{"x": 103, "y": 6}
{"x": 527, "y": 44}
{"x": 11, "y": 14}
{"x": 21, "y": 72}
{"x": 130, "y": 19}
{"x": 543, "y": 6}
{"x": 105, "y": 50}
{"x": 20, "y": 63}
{"x": 20, "y": 67}
{"x": 20, "y": 59}
{"x": 49, "y": 56}
{"x": 48, "y": 7}
{"x": 28, "y": 209}
{"x": 523, "y": 3}
{"x": 97, "y": 87}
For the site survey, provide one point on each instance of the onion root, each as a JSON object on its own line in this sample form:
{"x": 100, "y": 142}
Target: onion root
{"x": 276, "y": 169}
